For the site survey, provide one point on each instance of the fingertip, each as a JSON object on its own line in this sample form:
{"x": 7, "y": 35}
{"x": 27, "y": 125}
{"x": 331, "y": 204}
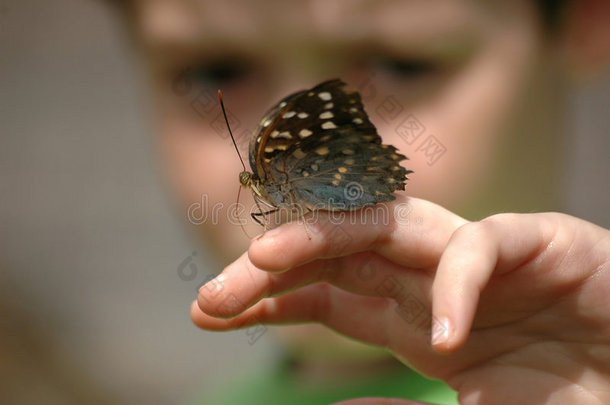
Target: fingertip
{"x": 194, "y": 307}
{"x": 453, "y": 314}
{"x": 205, "y": 321}
{"x": 440, "y": 331}
{"x": 444, "y": 338}
{"x": 196, "y": 314}
{"x": 463, "y": 272}
{"x": 210, "y": 293}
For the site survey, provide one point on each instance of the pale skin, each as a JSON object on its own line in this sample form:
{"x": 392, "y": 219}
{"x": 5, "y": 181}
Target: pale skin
{"x": 525, "y": 296}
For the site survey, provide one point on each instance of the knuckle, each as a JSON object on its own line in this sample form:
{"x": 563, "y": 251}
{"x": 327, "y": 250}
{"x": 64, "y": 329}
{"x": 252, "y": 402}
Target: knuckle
{"x": 501, "y": 219}
{"x": 477, "y": 233}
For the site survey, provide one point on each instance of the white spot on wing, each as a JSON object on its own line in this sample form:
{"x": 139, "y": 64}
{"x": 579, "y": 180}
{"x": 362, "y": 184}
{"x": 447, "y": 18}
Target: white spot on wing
{"x": 289, "y": 114}
{"x": 329, "y": 125}
{"x": 304, "y": 133}
{"x": 357, "y": 120}
{"x": 302, "y": 115}
{"x": 326, "y": 115}
{"x": 325, "y": 96}
{"x": 322, "y": 150}
{"x": 328, "y": 106}
{"x": 277, "y": 134}
{"x": 299, "y": 154}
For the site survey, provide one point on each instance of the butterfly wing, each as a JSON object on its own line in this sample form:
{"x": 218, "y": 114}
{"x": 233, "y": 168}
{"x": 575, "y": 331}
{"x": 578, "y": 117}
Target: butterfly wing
{"x": 319, "y": 149}
{"x": 268, "y": 137}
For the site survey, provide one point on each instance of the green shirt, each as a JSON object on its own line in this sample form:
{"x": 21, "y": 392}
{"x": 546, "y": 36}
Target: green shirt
{"x": 276, "y": 384}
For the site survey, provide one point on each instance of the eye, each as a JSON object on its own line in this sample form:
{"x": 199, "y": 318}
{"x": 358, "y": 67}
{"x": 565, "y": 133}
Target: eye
{"x": 404, "y": 69}
{"x": 222, "y": 72}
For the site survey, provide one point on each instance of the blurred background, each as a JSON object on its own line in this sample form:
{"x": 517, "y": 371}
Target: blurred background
{"x": 92, "y": 308}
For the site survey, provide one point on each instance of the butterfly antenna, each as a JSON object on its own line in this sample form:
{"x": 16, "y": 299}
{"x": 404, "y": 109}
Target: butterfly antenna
{"x": 222, "y": 105}
{"x": 224, "y": 113}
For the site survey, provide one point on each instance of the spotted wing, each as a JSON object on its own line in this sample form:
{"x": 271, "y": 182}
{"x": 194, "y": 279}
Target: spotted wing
{"x": 321, "y": 150}
{"x": 271, "y": 124}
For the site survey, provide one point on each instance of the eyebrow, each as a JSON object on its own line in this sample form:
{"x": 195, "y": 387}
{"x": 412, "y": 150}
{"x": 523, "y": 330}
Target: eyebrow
{"x": 184, "y": 50}
{"x": 413, "y": 36}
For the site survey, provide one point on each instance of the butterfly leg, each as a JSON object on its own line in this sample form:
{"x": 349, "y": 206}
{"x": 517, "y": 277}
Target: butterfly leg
{"x": 262, "y": 213}
{"x": 306, "y": 228}
{"x": 255, "y": 216}
{"x": 302, "y": 217}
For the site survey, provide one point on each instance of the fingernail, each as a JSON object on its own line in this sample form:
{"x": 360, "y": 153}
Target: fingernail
{"x": 441, "y": 329}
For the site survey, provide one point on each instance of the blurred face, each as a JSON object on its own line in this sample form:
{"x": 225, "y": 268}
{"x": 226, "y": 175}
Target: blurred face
{"x": 463, "y": 88}
{"x": 460, "y": 87}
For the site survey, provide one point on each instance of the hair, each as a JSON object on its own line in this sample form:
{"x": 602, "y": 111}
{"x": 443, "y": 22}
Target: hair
{"x": 551, "y": 12}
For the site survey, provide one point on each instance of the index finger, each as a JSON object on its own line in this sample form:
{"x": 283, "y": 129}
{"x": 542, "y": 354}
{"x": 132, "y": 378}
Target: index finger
{"x": 409, "y": 231}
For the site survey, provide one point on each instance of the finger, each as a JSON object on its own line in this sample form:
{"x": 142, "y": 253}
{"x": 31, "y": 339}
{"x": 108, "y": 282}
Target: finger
{"x": 361, "y": 317}
{"x": 409, "y": 231}
{"x": 242, "y": 284}
{"x": 497, "y": 244}
{"x": 369, "y": 319}
{"x": 238, "y": 286}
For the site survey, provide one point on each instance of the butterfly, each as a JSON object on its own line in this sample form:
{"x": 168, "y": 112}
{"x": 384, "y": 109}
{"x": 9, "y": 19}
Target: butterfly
{"x": 317, "y": 149}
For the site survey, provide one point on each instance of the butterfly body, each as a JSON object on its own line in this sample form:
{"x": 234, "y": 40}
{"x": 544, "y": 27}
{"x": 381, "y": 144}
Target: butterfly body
{"x": 317, "y": 149}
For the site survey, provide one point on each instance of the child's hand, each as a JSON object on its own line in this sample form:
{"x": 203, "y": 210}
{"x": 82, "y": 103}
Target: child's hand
{"x": 519, "y": 304}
